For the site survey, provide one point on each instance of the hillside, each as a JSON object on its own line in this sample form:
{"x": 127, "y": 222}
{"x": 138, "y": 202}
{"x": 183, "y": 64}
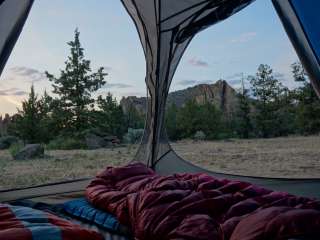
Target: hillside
{"x": 221, "y": 94}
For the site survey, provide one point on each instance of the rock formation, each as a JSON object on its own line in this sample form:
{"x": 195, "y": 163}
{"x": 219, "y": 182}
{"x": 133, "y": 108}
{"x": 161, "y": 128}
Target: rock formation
{"x": 221, "y": 94}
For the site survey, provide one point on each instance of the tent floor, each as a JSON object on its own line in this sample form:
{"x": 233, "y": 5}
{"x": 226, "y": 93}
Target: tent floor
{"x": 60, "y": 192}
{"x": 172, "y": 163}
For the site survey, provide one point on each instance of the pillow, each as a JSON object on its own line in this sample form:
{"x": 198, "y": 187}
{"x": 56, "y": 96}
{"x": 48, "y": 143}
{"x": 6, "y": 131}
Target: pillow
{"x": 83, "y": 210}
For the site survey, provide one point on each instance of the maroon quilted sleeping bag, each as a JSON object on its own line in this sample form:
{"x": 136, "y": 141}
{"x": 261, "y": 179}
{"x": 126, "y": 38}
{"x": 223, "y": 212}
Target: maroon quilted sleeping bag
{"x": 198, "y": 206}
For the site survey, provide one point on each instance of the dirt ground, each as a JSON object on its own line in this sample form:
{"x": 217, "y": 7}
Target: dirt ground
{"x": 294, "y": 157}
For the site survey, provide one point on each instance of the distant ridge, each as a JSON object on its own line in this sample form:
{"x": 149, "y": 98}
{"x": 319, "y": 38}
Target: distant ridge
{"x": 220, "y": 93}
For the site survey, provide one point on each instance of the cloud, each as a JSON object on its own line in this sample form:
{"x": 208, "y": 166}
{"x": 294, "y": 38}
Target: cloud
{"x": 279, "y": 76}
{"x": 235, "y": 82}
{"x": 137, "y": 94}
{"x": 189, "y": 82}
{"x": 198, "y": 62}
{"x": 13, "y": 92}
{"x": 108, "y": 68}
{"x": 20, "y": 93}
{"x": 33, "y": 75}
{"x": 117, "y": 85}
{"x": 244, "y": 37}
{"x": 234, "y": 76}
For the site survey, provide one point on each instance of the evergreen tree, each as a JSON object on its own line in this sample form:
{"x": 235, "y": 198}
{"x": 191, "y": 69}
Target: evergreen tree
{"x": 193, "y": 117}
{"x": 28, "y": 124}
{"x": 74, "y": 87}
{"x": 134, "y": 119}
{"x": 308, "y": 112}
{"x": 171, "y": 121}
{"x": 210, "y": 121}
{"x": 244, "y": 125}
{"x": 110, "y": 117}
{"x": 267, "y": 91}
{"x": 188, "y": 120}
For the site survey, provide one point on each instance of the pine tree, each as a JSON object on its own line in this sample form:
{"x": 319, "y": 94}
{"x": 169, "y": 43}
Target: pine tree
{"x": 267, "y": 91}
{"x": 74, "y": 87}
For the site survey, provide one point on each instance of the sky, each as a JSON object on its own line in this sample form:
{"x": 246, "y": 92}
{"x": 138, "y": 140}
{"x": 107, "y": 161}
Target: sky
{"x": 227, "y": 50}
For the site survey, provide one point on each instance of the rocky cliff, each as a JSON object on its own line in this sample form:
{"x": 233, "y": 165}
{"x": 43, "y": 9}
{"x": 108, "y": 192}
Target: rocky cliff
{"x": 221, "y": 94}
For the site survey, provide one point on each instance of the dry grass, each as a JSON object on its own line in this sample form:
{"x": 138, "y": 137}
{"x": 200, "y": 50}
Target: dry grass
{"x": 60, "y": 165}
{"x": 294, "y": 157}
{"x": 281, "y": 157}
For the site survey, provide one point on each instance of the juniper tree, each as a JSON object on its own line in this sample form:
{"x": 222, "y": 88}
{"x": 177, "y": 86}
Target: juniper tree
{"x": 75, "y": 86}
{"x": 28, "y": 124}
{"x": 109, "y": 116}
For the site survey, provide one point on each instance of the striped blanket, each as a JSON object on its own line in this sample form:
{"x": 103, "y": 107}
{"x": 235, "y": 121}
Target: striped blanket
{"x": 23, "y": 223}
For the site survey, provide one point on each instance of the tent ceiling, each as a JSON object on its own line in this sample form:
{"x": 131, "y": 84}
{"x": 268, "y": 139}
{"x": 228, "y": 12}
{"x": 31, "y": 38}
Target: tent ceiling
{"x": 301, "y": 21}
{"x": 13, "y": 14}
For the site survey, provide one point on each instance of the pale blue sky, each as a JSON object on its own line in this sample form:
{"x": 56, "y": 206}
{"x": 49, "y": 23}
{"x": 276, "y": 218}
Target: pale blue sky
{"x": 108, "y": 35}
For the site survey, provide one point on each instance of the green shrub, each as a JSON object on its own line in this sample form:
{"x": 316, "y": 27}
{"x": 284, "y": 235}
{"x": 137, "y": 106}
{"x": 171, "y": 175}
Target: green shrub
{"x": 65, "y": 143}
{"x": 199, "y": 136}
{"x": 15, "y": 148}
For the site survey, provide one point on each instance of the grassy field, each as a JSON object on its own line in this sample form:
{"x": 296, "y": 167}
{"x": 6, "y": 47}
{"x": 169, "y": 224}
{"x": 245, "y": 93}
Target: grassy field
{"x": 296, "y": 157}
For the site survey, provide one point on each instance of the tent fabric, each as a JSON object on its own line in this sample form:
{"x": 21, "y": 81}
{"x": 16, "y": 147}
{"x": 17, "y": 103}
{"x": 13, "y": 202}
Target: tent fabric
{"x": 301, "y": 25}
{"x": 13, "y": 14}
{"x": 301, "y": 187}
{"x": 53, "y": 193}
{"x": 166, "y": 28}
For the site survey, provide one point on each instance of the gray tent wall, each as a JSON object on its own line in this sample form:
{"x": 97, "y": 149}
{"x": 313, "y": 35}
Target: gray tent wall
{"x": 165, "y": 27}
{"x": 13, "y": 14}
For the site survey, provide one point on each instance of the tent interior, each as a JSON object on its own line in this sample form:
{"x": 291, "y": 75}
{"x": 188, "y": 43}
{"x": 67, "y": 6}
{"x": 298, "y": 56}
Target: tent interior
{"x": 166, "y": 28}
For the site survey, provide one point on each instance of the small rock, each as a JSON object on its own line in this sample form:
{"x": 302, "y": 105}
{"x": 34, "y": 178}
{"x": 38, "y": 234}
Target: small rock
{"x": 30, "y": 151}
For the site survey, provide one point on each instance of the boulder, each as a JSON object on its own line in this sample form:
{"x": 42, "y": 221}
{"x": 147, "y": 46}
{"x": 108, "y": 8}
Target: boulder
{"x": 7, "y": 141}
{"x": 30, "y": 151}
{"x": 112, "y": 140}
{"x": 94, "y": 141}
